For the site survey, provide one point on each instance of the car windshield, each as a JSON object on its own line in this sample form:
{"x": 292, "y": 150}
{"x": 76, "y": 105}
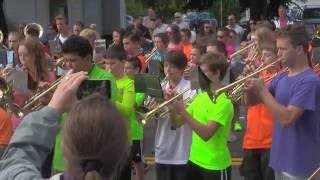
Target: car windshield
{"x": 311, "y": 13}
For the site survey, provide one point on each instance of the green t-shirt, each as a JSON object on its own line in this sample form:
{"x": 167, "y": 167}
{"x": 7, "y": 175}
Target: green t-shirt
{"x": 136, "y": 126}
{"x": 125, "y": 100}
{"x": 214, "y": 153}
{"x": 96, "y": 73}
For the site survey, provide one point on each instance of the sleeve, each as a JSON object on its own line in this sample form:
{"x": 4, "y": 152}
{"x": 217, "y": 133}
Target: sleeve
{"x": 30, "y": 145}
{"x": 126, "y": 106}
{"x": 140, "y": 98}
{"x": 304, "y": 96}
{"x": 222, "y": 113}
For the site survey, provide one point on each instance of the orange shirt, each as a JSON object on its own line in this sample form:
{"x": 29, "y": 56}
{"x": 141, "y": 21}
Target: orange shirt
{"x": 259, "y": 124}
{"x": 142, "y": 60}
{"x": 5, "y": 127}
{"x": 186, "y": 48}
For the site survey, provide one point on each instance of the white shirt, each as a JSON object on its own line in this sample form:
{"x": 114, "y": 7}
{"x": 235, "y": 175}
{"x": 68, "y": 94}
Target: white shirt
{"x": 172, "y": 146}
{"x": 62, "y": 39}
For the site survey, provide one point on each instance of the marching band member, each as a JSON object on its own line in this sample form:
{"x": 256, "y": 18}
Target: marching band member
{"x": 62, "y": 26}
{"x": 6, "y": 130}
{"x": 132, "y": 67}
{"x": 185, "y": 41}
{"x": 125, "y": 100}
{"x": 131, "y": 43}
{"x": 210, "y": 122}
{"x": 174, "y": 34}
{"x": 258, "y": 136}
{"x": 172, "y": 140}
{"x": 293, "y": 99}
{"x": 77, "y": 53}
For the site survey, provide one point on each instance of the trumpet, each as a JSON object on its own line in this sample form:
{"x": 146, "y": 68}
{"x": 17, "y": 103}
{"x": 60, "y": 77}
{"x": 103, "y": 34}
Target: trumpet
{"x": 236, "y": 83}
{"x": 33, "y": 27}
{"x": 149, "y": 115}
{"x": 37, "y": 96}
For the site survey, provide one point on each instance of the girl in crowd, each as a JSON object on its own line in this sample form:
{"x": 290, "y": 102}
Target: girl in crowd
{"x": 117, "y": 36}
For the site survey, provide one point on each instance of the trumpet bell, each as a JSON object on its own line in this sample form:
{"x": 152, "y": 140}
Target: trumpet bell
{"x": 33, "y": 29}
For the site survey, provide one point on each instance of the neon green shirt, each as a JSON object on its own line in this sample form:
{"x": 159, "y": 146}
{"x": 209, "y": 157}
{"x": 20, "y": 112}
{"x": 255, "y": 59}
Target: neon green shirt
{"x": 126, "y": 99}
{"x": 136, "y": 126}
{"x": 214, "y": 153}
{"x": 96, "y": 73}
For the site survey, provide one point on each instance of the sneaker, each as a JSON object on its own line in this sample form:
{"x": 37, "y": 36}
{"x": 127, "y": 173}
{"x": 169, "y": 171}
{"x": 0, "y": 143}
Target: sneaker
{"x": 237, "y": 126}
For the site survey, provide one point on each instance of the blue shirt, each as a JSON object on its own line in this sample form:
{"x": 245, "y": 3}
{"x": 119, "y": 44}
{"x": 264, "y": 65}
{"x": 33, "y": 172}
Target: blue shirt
{"x": 296, "y": 147}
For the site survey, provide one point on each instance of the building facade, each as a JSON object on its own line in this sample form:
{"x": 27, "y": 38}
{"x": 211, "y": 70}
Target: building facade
{"x": 106, "y": 14}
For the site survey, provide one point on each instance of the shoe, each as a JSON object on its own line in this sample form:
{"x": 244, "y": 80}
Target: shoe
{"x": 237, "y": 126}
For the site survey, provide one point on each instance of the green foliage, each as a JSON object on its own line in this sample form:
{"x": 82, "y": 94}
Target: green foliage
{"x": 165, "y": 8}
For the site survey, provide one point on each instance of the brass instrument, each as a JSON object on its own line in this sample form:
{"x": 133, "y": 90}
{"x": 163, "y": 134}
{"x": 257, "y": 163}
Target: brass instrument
{"x": 317, "y": 34}
{"x": 1, "y": 37}
{"x": 149, "y": 115}
{"x": 242, "y": 50}
{"x": 34, "y": 26}
{"x": 150, "y": 56}
{"x": 1, "y": 40}
{"x": 31, "y": 101}
{"x": 236, "y": 83}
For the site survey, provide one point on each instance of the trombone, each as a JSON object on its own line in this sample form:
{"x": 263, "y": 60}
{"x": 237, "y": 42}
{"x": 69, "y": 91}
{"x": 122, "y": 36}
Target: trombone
{"x": 236, "y": 83}
{"x": 152, "y": 53}
{"x": 242, "y": 50}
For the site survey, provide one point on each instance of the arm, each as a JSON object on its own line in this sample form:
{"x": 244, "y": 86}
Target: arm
{"x": 285, "y": 114}
{"x": 205, "y": 131}
{"x": 34, "y": 138}
{"x": 30, "y": 145}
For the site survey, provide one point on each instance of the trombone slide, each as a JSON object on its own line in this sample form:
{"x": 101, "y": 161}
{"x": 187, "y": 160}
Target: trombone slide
{"x": 232, "y": 85}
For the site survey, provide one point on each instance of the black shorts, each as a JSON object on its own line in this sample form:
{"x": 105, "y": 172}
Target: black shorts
{"x": 196, "y": 172}
{"x": 136, "y": 151}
